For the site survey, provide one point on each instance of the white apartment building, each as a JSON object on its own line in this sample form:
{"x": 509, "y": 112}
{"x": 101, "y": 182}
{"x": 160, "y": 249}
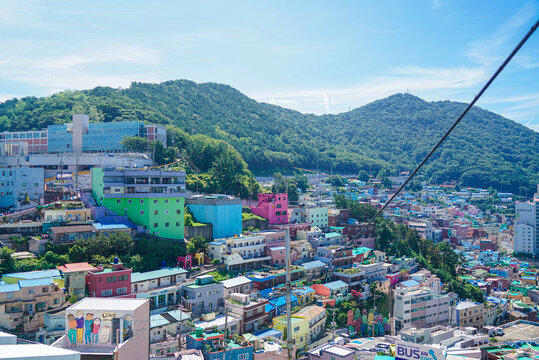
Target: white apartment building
{"x": 525, "y": 230}
{"x": 317, "y": 216}
{"x": 421, "y": 307}
{"x": 241, "y": 252}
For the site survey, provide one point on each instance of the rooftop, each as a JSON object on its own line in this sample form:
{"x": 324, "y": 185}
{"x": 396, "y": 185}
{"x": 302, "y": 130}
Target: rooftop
{"x": 334, "y": 285}
{"x": 72, "y": 229}
{"x": 148, "y": 275}
{"x": 75, "y": 267}
{"x": 99, "y": 226}
{"x": 237, "y": 281}
{"x": 29, "y": 351}
{"x": 119, "y": 304}
{"x": 313, "y": 264}
{"x": 29, "y": 275}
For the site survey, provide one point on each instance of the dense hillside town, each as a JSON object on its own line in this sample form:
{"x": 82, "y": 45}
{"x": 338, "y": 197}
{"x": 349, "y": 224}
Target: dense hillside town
{"x": 105, "y": 253}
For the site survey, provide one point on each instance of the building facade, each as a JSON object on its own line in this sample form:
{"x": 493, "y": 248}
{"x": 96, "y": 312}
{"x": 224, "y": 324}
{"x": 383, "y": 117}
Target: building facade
{"x": 75, "y": 277}
{"x": 222, "y": 211}
{"x": 273, "y": 207}
{"x": 421, "y": 307}
{"x": 153, "y": 199}
{"x": 110, "y": 282}
{"x": 203, "y": 296}
{"x": 21, "y": 187}
{"x": 525, "y": 230}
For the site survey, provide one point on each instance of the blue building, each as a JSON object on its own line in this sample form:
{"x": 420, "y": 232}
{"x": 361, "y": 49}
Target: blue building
{"x": 222, "y": 211}
{"x": 21, "y": 187}
{"x": 84, "y": 136}
{"x": 211, "y": 344}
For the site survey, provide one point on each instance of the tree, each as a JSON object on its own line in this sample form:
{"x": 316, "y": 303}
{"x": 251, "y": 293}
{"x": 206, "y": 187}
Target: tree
{"x": 215, "y": 262}
{"x": 197, "y": 244}
{"x": 77, "y": 254}
{"x": 135, "y": 143}
{"x": 363, "y": 176}
{"x": 335, "y": 180}
{"x": 7, "y": 264}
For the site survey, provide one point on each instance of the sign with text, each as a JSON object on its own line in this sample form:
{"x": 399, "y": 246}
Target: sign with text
{"x": 411, "y": 351}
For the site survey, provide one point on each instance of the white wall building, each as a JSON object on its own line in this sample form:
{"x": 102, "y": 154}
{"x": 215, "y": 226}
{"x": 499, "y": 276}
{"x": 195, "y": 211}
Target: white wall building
{"x": 525, "y": 230}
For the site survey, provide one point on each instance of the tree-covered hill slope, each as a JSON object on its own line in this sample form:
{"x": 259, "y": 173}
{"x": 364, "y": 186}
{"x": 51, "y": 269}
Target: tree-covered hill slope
{"x": 394, "y": 133}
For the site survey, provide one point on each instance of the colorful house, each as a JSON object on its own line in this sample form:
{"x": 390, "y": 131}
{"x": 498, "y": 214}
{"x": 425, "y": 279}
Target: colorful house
{"x": 300, "y": 329}
{"x": 273, "y": 207}
{"x": 110, "y": 282}
{"x": 211, "y": 343}
{"x": 76, "y": 277}
{"x": 152, "y": 199}
{"x": 222, "y": 211}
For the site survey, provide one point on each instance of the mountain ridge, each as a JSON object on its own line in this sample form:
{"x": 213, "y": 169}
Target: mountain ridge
{"x": 389, "y": 134}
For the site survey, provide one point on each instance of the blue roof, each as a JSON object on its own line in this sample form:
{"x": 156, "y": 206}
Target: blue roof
{"x": 9, "y": 287}
{"x": 265, "y": 292}
{"x": 410, "y": 283}
{"x": 332, "y": 234}
{"x": 100, "y": 226}
{"x": 313, "y": 264}
{"x": 278, "y": 302}
{"x": 29, "y": 275}
{"x": 277, "y": 248}
{"x": 304, "y": 291}
{"x": 268, "y": 333}
{"x": 148, "y": 275}
{"x": 217, "y": 243}
{"x": 334, "y": 285}
{"x": 35, "y": 282}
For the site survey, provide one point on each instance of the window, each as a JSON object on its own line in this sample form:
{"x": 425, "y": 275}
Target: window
{"x": 141, "y": 201}
{"x": 107, "y": 292}
{"x": 166, "y": 201}
{"x": 155, "y": 201}
{"x": 129, "y": 201}
{"x": 166, "y": 212}
{"x": 296, "y": 329}
{"x": 155, "y": 225}
{"x": 30, "y": 291}
{"x": 9, "y": 295}
{"x": 44, "y": 289}
{"x": 177, "y": 200}
{"x": 141, "y": 212}
{"x": 121, "y": 291}
{"x": 123, "y": 277}
{"x": 167, "y": 224}
{"x": 243, "y": 356}
{"x": 118, "y": 201}
{"x": 155, "y": 212}
{"x": 177, "y": 223}
{"x": 56, "y": 301}
{"x": 111, "y": 279}
{"x": 178, "y": 211}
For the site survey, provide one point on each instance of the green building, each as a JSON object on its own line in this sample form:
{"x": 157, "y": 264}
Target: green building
{"x": 153, "y": 199}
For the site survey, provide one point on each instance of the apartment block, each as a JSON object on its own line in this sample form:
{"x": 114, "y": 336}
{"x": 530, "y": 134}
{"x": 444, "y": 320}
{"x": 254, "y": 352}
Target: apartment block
{"x": 316, "y": 315}
{"x": 273, "y": 207}
{"x": 153, "y": 199}
{"x": 222, "y": 211}
{"x": 24, "y": 303}
{"x": 115, "y": 281}
{"x": 203, "y": 296}
{"x": 251, "y": 311}
{"x": 421, "y": 307}
{"x": 470, "y": 314}
{"x": 161, "y": 287}
{"x": 76, "y": 277}
{"x": 241, "y": 252}
{"x": 21, "y": 187}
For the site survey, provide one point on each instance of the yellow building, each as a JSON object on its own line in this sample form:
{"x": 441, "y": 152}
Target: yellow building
{"x": 300, "y": 329}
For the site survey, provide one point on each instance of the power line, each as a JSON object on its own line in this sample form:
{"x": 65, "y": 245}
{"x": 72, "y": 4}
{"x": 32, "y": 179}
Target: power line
{"x": 476, "y": 98}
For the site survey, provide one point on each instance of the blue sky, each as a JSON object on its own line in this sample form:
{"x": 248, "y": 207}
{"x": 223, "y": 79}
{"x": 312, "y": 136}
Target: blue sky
{"x": 312, "y": 56}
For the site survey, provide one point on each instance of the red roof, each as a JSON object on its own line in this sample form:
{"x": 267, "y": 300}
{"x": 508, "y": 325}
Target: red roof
{"x": 74, "y": 267}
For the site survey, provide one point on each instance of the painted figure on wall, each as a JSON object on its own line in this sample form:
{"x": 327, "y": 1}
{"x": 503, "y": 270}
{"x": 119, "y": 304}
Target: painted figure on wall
{"x": 95, "y": 330}
{"x": 79, "y": 318}
{"x": 104, "y": 334}
{"x": 128, "y": 326}
{"x": 88, "y": 323}
{"x": 72, "y": 332}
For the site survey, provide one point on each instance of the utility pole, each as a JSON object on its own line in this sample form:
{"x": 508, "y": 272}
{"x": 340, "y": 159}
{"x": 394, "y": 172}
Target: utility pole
{"x": 333, "y": 323}
{"x": 225, "y": 342}
{"x": 288, "y": 289}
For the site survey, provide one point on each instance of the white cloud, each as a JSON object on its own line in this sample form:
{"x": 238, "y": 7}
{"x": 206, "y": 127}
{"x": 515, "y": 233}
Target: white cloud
{"x": 437, "y": 4}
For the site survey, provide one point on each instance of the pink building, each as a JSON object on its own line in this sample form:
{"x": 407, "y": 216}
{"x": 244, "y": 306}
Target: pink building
{"x": 273, "y": 207}
{"x": 278, "y": 256}
{"x": 273, "y": 238}
{"x": 110, "y": 282}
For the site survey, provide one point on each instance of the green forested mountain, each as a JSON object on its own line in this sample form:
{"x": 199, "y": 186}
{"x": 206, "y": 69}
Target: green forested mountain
{"x": 394, "y": 133}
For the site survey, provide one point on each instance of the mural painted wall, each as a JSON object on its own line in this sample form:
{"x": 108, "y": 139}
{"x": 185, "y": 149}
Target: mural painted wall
{"x": 98, "y": 328}
{"x": 367, "y": 323}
